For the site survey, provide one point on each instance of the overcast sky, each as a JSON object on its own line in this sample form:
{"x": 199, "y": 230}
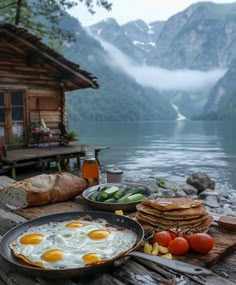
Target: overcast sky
{"x": 127, "y": 10}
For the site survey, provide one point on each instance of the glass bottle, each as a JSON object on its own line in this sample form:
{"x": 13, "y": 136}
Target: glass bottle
{"x": 90, "y": 168}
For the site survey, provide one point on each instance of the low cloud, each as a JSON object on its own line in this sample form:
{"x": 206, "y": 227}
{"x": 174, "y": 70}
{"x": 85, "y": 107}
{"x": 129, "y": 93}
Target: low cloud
{"x": 160, "y": 78}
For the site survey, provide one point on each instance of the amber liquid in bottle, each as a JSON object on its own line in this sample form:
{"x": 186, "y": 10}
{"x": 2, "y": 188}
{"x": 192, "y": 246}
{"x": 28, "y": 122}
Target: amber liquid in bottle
{"x": 90, "y": 168}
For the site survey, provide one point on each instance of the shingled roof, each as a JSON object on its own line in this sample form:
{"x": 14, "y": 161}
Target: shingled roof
{"x": 69, "y": 73}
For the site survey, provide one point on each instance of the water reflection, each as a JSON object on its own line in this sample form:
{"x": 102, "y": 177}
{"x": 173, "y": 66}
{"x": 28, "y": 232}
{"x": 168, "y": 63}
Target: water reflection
{"x": 168, "y": 149}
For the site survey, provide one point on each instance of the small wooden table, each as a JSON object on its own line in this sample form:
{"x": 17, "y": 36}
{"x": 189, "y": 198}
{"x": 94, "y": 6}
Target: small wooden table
{"x": 135, "y": 271}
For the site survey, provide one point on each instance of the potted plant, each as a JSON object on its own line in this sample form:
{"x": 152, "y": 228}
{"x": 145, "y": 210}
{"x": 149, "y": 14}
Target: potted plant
{"x": 71, "y": 136}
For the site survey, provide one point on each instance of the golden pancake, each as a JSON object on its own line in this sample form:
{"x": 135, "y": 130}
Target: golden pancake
{"x": 170, "y": 223}
{"x": 168, "y": 204}
{"x": 182, "y": 214}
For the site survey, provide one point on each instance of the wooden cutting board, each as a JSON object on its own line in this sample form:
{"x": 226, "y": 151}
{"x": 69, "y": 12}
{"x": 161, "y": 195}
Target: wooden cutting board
{"x": 224, "y": 241}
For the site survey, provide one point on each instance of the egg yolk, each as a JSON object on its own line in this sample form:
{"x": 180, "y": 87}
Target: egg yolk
{"x": 90, "y": 258}
{"x": 74, "y": 225}
{"x": 31, "y": 238}
{"x": 98, "y": 234}
{"x": 52, "y": 255}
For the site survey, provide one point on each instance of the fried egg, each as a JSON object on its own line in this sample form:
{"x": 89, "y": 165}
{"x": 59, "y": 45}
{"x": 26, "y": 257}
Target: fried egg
{"x": 72, "y": 244}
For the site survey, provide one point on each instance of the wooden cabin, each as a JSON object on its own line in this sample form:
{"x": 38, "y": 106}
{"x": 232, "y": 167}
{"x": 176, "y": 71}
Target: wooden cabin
{"x": 33, "y": 81}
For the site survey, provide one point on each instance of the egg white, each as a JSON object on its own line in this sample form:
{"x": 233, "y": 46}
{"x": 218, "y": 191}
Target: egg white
{"x": 74, "y": 242}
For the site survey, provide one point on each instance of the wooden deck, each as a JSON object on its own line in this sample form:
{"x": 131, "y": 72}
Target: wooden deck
{"x": 42, "y": 155}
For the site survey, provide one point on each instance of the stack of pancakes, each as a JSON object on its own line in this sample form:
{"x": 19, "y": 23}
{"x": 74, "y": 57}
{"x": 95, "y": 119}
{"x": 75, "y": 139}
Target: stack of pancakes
{"x": 174, "y": 213}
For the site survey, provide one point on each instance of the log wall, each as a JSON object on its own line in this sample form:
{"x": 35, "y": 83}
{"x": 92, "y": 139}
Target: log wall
{"x": 40, "y": 82}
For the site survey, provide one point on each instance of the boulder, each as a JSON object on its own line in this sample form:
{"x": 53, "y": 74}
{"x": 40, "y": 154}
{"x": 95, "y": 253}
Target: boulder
{"x": 201, "y": 181}
{"x": 189, "y": 189}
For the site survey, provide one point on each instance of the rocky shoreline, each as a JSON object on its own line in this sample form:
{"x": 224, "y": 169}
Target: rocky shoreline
{"x": 198, "y": 186}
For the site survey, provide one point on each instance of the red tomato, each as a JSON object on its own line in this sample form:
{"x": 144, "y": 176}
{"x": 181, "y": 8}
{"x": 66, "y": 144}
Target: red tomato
{"x": 184, "y": 235}
{"x": 172, "y": 234}
{"x": 162, "y": 238}
{"x": 178, "y": 246}
{"x": 201, "y": 242}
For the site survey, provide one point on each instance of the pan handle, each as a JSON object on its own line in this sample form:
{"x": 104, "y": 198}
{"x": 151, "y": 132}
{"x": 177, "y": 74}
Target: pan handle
{"x": 173, "y": 264}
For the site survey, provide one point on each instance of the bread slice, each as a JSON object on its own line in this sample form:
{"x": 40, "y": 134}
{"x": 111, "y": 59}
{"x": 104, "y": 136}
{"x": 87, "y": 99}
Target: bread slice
{"x": 43, "y": 189}
{"x": 168, "y": 204}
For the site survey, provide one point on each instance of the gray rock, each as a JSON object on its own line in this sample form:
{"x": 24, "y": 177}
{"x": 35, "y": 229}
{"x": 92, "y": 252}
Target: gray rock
{"x": 168, "y": 193}
{"x": 201, "y": 181}
{"x": 180, "y": 193}
{"x": 189, "y": 189}
{"x": 207, "y": 192}
{"x": 166, "y": 184}
{"x": 193, "y": 197}
{"x": 222, "y": 200}
{"x": 229, "y": 212}
{"x": 211, "y": 201}
{"x": 219, "y": 211}
{"x": 233, "y": 202}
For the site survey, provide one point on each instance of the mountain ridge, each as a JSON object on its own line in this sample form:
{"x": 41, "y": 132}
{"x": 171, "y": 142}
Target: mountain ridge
{"x": 202, "y": 37}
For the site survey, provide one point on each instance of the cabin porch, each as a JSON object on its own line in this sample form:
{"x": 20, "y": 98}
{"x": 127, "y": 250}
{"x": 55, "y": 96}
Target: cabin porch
{"x": 42, "y": 156}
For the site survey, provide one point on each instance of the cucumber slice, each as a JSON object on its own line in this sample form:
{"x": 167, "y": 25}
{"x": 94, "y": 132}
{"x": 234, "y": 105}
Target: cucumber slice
{"x": 110, "y": 200}
{"x": 120, "y": 193}
{"x": 112, "y": 190}
{"x": 135, "y": 197}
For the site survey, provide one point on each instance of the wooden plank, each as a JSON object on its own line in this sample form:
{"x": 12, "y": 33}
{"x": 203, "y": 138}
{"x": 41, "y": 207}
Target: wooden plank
{"x": 36, "y": 212}
{"x": 11, "y": 276}
{"x": 32, "y": 153}
{"x": 8, "y": 219}
{"x": 226, "y": 268}
{"x": 5, "y": 180}
{"x": 140, "y": 275}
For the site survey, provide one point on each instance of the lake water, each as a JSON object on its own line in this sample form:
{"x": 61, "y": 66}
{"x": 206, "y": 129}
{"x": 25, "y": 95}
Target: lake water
{"x": 168, "y": 149}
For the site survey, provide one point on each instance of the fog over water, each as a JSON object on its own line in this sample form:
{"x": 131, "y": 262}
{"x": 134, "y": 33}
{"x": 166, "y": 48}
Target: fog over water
{"x": 160, "y": 78}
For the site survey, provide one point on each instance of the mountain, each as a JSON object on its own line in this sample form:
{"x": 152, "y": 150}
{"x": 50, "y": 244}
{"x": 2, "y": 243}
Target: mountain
{"x": 136, "y": 39}
{"x": 120, "y": 97}
{"x": 110, "y": 31}
{"x": 143, "y": 35}
{"x": 222, "y": 99}
{"x": 201, "y": 37}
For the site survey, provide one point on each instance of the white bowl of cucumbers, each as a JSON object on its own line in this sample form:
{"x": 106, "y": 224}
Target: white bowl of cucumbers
{"x": 116, "y": 196}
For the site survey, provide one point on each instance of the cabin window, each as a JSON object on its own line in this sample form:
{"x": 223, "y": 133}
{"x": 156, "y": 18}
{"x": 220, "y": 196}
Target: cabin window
{"x": 16, "y": 98}
{"x": 1, "y": 99}
{"x": 17, "y": 114}
{"x": 12, "y": 116}
{"x": 17, "y": 130}
{"x": 2, "y": 116}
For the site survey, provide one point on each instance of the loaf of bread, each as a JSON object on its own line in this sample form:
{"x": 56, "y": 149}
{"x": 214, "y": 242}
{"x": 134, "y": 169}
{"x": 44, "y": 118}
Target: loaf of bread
{"x": 43, "y": 189}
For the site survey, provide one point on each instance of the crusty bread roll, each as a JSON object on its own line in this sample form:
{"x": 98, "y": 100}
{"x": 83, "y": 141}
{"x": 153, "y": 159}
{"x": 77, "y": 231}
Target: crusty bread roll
{"x": 43, "y": 189}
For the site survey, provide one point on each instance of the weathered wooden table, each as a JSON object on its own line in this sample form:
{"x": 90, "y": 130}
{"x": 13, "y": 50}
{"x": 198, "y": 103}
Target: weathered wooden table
{"x": 222, "y": 260}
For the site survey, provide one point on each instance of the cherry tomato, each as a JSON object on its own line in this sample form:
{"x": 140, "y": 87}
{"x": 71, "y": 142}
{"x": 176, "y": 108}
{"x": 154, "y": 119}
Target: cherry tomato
{"x": 172, "y": 234}
{"x": 162, "y": 238}
{"x": 201, "y": 242}
{"x": 178, "y": 246}
{"x": 184, "y": 235}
